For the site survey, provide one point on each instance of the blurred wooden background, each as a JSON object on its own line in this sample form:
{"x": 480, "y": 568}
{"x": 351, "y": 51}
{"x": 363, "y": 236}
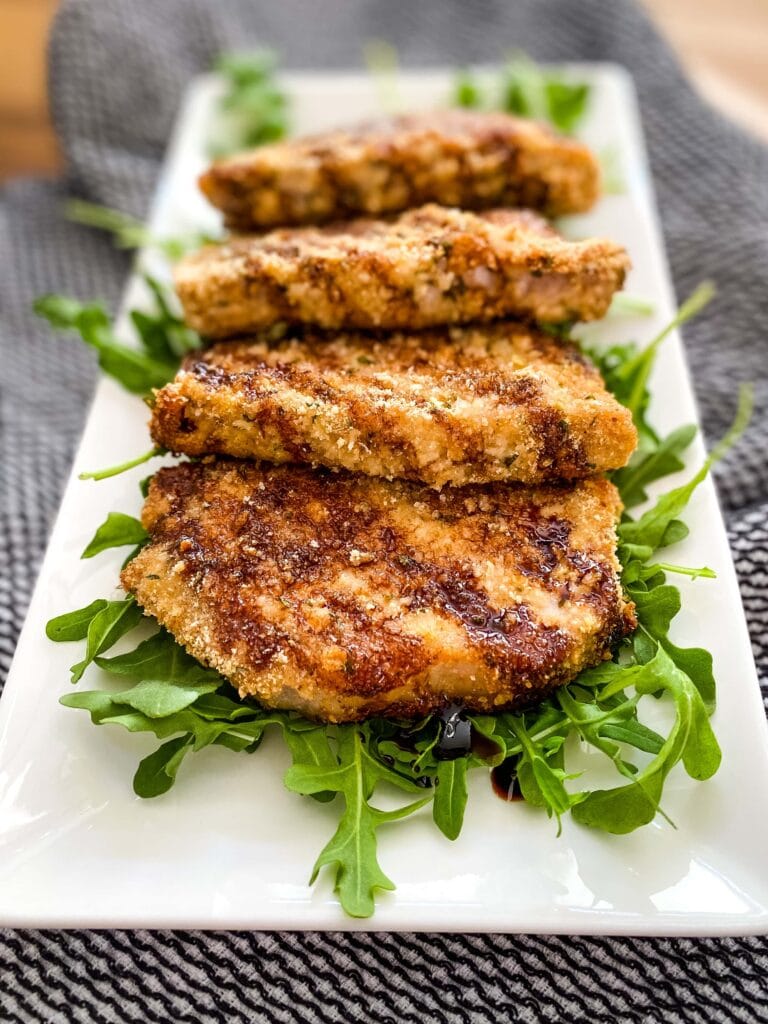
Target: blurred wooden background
{"x": 27, "y": 144}
{"x": 723, "y": 43}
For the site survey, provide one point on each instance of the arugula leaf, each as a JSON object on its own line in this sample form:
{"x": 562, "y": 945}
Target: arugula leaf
{"x": 128, "y": 232}
{"x": 540, "y": 770}
{"x": 352, "y": 849}
{"x": 163, "y": 338}
{"x": 159, "y": 657}
{"x": 253, "y": 109}
{"x": 220, "y": 706}
{"x": 566, "y": 103}
{"x": 655, "y": 610}
{"x": 634, "y": 734}
{"x": 174, "y": 694}
{"x": 626, "y": 368}
{"x": 168, "y": 678}
{"x": 135, "y": 370}
{"x": 73, "y": 625}
{"x": 692, "y": 306}
{"x": 159, "y": 698}
{"x": 659, "y": 526}
{"x": 107, "y": 626}
{"x": 117, "y": 530}
{"x": 626, "y": 371}
{"x": 309, "y": 746}
{"x": 450, "y": 796}
{"x": 598, "y": 725}
{"x": 467, "y": 92}
{"x": 104, "y": 709}
{"x": 625, "y": 808}
{"x": 646, "y": 467}
{"x": 163, "y": 332}
{"x": 528, "y": 90}
{"x": 157, "y": 772}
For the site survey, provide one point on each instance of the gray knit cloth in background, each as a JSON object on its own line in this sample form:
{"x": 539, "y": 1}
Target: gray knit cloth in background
{"x": 117, "y": 72}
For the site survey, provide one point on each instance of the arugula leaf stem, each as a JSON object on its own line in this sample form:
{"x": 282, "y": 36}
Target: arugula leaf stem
{"x": 127, "y": 232}
{"x": 629, "y": 704}
{"x": 382, "y": 63}
{"x": 624, "y": 304}
{"x": 123, "y": 467}
{"x": 536, "y": 735}
{"x": 683, "y": 570}
{"x": 744, "y": 410}
{"x": 692, "y": 305}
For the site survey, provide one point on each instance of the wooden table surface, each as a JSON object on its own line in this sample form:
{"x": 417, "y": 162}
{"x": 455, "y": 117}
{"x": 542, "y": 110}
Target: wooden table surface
{"x": 723, "y": 43}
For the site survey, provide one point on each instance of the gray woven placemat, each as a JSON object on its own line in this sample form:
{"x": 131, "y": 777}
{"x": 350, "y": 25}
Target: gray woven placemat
{"x": 117, "y": 71}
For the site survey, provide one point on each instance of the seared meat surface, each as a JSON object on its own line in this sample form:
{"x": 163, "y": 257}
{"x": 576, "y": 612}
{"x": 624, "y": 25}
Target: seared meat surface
{"x": 453, "y": 157}
{"x": 429, "y": 266}
{"x": 446, "y": 406}
{"x": 343, "y": 596}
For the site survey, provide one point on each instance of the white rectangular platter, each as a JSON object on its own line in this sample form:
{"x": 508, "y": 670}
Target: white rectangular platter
{"x": 229, "y": 847}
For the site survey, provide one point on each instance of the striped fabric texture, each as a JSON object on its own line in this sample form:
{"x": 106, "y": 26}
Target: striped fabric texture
{"x": 117, "y": 71}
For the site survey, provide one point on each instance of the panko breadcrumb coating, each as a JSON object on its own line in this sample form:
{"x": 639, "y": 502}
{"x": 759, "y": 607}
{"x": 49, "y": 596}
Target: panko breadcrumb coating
{"x": 446, "y": 406}
{"x": 343, "y": 596}
{"x": 429, "y": 266}
{"x": 453, "y": 157}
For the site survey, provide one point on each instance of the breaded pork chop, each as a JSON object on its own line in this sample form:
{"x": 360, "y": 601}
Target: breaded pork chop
{"x": 453, "y": 157}
{"x": 447, "y": 406}
{"x": 343, "y": 596}
{"x": 430, "y": 266}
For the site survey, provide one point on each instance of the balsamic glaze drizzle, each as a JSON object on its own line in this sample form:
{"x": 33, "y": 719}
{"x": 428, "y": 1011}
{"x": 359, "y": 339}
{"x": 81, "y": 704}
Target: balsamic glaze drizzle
{"x": 504, "y": 781}
{"x": 459, "y": 739}
{"x": 455, "y": 734}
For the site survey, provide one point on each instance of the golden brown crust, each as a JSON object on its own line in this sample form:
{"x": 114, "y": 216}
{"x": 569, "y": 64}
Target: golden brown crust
{"x": 344, "y": 596}
{"x": 447, "y": 406}
{"x": 429, "y": 266}
{"x": 453, "y": 157}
